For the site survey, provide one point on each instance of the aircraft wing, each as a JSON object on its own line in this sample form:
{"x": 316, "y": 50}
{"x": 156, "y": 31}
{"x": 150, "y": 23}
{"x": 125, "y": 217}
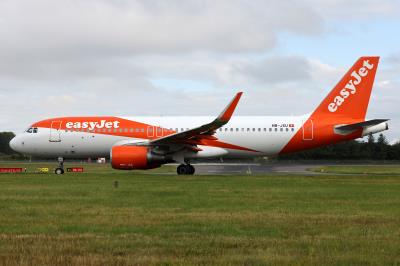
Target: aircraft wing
{"x": 195, "y": 135}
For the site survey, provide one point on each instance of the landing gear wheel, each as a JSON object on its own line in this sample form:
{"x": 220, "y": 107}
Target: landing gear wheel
{"x": 59, "y": 171}
{"x": 182, "y": 169}
{"x": 191, "y": 169}
{"x": 185, "y": 169}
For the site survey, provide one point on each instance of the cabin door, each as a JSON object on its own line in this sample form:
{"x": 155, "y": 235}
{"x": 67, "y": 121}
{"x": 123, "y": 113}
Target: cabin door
{"x": 308, "y": 130}
{"x": 55, "y": 131}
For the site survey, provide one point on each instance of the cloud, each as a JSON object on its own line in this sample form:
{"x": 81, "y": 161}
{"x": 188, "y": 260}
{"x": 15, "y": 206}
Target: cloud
{"x": 393, "y": 59}
{"x": 46, "y": 30}
{"x": 355, "y": 9}
{"x": 272, "y": 70}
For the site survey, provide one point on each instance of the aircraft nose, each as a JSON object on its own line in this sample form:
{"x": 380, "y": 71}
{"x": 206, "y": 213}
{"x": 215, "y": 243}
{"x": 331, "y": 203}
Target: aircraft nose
{"x": 13, "y": 144}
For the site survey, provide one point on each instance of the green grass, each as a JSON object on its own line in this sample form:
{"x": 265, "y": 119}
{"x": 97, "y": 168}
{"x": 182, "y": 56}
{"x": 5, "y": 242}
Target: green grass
{"x": 82, "y": 219}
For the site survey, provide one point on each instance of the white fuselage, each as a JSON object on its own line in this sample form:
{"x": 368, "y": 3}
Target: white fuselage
{"x": 265, "y": 134}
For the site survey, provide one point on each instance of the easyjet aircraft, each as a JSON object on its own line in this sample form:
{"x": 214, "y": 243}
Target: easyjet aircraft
{"x": 148, "y": 142}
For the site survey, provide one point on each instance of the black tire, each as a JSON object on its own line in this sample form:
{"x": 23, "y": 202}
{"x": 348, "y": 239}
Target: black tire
{"x": 185, "y": 169}
{"x": 59, "y": 171}
{"x": 182, "y": 170}
{"x": 191, "y": 169}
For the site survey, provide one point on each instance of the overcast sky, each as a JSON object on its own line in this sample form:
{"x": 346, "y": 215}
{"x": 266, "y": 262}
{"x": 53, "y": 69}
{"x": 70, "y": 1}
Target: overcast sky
{"x": 117, "y": 57}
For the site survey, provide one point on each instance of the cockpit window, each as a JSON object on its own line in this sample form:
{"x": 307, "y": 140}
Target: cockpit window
{"x": 32, "y": 130}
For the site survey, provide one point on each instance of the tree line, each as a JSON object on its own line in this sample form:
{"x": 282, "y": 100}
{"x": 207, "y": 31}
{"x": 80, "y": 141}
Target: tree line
{"x": 371, "y": 149}
{"x": 5, "y": 138}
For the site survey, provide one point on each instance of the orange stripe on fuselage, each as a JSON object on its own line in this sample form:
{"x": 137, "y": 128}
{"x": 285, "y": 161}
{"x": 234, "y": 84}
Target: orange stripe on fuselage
{"x": 220, "y": 144}
{"x": 107, "y": 126}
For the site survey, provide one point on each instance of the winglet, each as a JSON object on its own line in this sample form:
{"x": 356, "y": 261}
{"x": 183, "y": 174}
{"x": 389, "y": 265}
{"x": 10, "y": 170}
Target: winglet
{"x": 228, "y": 111}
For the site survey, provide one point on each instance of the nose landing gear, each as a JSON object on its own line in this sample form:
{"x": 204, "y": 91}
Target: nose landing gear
{"x": 185, "y": 169}
{"x": 60, "y": 169}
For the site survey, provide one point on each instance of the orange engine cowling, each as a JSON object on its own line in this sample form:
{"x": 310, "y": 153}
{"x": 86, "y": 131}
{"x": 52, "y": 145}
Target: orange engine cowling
{"x": 132, "y": 157}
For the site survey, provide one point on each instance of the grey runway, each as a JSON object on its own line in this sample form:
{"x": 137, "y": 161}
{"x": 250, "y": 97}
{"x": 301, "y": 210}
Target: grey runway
{"x": 243, "y": 169}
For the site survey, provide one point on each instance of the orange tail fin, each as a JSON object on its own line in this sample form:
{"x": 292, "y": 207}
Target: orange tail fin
{"x": 350, "y": 97}
{"x": 347, "y": 103}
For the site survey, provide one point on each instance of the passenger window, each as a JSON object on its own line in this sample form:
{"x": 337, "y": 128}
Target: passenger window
{"x": 287, "y": 129}
{"x": 220, "y": 129}
{"x": 276, "y": 129}
{"x": 259, "y": 129}
{"x": 270, "y": 129}
{"x": 242, "y": 129}
{"x": 231, "y": 129}
{"x": 265, "y": 129}
{"x": 248, "y": 129}
{"x": 226, "y": 129}
{"x": 292, "y": 129}
{"x": 254, "y": 129}
{"x": 237, "y": 129}
{"x": 281, "y": 129}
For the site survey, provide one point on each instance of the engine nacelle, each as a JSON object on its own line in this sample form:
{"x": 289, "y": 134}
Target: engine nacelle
{"x": 134, "y": 157}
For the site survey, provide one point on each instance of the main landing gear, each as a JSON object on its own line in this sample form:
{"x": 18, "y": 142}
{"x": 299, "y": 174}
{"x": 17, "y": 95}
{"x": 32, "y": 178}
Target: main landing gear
{"x": 60, "y": 169}
{"x": 185, "y": 169}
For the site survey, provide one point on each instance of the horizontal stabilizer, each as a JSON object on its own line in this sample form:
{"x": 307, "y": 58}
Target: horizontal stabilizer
{"x": 359, "y": 125}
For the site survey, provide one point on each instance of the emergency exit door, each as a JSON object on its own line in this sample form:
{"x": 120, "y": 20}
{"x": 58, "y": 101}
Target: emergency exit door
{"x": 308, "y": 130}
{"x": 55, "y": 131}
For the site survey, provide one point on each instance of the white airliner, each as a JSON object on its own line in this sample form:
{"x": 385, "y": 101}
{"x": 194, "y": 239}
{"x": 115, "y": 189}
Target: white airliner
{"x": 148, "y": 142}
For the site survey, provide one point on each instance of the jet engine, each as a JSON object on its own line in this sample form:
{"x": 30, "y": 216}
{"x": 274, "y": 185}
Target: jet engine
{"x": 135, "y": 157}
